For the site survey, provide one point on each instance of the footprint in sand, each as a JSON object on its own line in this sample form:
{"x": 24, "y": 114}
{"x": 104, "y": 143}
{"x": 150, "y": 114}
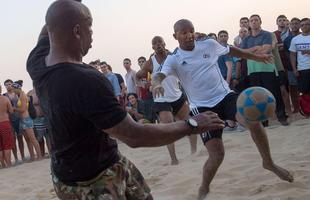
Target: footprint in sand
{"x": 260, "y": 189}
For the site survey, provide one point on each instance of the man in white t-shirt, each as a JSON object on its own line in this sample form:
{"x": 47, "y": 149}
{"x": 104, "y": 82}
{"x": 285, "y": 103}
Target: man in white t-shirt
{"x": 130, "y": 77}
{"x": 300, "y": 48}
{"x": 172, "y": 105}
{"x": 195, "y": 64}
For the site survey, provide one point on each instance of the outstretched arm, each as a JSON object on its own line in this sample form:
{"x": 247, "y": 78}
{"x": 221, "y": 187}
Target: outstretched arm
{"x": 265, "y": 58}
{"x": 153, "y": 135}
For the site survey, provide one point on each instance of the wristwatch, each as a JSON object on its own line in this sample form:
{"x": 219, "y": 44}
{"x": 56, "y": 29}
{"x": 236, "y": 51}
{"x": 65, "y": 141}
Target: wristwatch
{"x": 192, "y": 123}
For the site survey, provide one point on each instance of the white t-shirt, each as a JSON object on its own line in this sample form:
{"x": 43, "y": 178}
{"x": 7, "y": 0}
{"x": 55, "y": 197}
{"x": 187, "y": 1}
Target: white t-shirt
{"x": 199, "y": 72}
{"x": 130, "y": 79}
{"x": 299, "y": 44}
{"x": 170, "y": 85}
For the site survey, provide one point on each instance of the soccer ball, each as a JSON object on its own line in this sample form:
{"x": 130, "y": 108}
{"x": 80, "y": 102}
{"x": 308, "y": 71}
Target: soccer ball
{"x": 256, "y": 104}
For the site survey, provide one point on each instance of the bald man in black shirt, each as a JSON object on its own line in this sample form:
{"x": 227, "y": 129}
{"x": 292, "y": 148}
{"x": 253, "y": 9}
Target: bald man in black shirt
{"x": 83, "y": 113}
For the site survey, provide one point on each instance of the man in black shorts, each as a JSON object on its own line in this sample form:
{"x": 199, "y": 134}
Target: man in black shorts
{"x": 84, "y": 114}
{"x": 173, "y": 105}
{"x": 195, "y": 64}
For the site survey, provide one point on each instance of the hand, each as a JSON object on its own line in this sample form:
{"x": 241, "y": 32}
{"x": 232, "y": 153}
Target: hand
{"x": 158, "y": 91}
{"x": 208, "y": 121}
{"x": 265, "y": 58}
{"x": 305, "y": 52}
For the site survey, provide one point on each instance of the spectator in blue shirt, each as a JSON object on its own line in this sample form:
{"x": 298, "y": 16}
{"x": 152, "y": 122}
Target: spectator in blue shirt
{"x": 112, "y": 78}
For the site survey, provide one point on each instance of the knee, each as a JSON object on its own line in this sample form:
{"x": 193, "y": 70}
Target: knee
{"x": 217, "y": 157}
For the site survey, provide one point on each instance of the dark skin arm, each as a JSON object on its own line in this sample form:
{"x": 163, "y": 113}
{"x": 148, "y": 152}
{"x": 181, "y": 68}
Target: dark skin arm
{"x": 293, "y": 56}
{"x": 154, "y": 135}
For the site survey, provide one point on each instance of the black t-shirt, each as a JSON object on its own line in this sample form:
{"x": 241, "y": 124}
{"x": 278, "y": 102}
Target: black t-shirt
{"x": 79, "y": 102}
{"x": 120, "y": 79}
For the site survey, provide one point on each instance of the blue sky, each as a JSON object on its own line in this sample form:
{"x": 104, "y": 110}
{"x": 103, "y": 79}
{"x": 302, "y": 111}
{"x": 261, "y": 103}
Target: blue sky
{"x": 125, "y": 28}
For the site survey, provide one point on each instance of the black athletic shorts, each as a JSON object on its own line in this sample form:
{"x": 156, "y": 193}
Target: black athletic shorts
{"x": 226, "y": 110}
{"x": 304, "y": 81}
{"x": 173, "y": 107}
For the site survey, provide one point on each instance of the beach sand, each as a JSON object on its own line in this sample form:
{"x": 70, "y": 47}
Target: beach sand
{"x": 240, "y": 177}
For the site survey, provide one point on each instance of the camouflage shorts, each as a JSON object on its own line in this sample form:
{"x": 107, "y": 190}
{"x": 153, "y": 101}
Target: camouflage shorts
{"x": 122, "y": 181}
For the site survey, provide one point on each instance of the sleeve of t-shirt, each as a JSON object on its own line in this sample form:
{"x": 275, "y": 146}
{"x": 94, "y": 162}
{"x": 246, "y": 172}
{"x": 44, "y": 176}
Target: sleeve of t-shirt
{"x": 267, "y": 38}
{"x": 37, "y": 55}
{"x": 169, "y": 66}
{"x": 218, "y": 48}
{"x": 293, "y": 46}
{"x": 120, "y": 79}
{"x": 98, "y": 103}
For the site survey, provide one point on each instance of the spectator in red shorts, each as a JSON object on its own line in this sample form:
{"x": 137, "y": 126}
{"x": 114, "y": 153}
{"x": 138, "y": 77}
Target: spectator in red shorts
{"x": 6, "y": 134}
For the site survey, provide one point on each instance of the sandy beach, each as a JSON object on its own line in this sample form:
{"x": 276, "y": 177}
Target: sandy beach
{"x": 241, "y": 176}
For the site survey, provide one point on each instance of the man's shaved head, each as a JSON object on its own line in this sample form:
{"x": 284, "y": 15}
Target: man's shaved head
{"x": 155, "y": 38}
{"x": 179, "y": 25}
{"x": 69, "y": 25}
{"x": 63, "y": 15}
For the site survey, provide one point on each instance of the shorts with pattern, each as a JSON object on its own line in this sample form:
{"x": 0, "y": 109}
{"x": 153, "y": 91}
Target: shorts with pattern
{"x": 121, "y": 181}
{"x": 40, "y": 128}
{"x": 6, "y": 136}
{"x": 25, "y": 123}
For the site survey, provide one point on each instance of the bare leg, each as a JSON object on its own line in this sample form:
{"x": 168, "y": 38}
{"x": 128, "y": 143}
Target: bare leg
{"x": 193, "y": 143}
{"x": 2, "y": 159}
{"x": 33, "y": 141}
{"x": 14, "y": 150}
{"x": 42, "y": 147}
{"x": 286, "y": 99}
{"x": 30, "y": 146}
{"x": 167, "y": 117}
{"x": 7, "y": 158}
{"x": 21, "y": 146}
{"x": 259, "y": 136}
{"x": 294, "y": 98}
{"x": 48, "y": 144}
{"x": 183, "y": 114}
{"x": 216, "y": 152}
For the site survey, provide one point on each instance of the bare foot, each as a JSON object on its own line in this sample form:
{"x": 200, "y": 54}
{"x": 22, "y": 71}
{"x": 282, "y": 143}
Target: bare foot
{"x": 174, "y": 162}
{"x": 280, "y": 172}
{"x": 202, "y": 193}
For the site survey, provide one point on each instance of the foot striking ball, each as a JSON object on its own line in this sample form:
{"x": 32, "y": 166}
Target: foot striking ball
{"x": 256, "y": 104}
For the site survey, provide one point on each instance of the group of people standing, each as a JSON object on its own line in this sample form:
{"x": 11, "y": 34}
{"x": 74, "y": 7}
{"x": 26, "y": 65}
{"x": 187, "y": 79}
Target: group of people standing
{"x": 21, "y": 119}
{"x": 85, "y": 161}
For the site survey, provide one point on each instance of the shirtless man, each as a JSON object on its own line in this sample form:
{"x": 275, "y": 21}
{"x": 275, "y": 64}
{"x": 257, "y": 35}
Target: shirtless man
{"x": 6, "y": 135}
{"x": 173, "y": 105}
{"x": 26, "y": 123}
{"x": 195, "y": 64}
{"x": 14, "y": 118}
{"x": 40, "y": 126}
